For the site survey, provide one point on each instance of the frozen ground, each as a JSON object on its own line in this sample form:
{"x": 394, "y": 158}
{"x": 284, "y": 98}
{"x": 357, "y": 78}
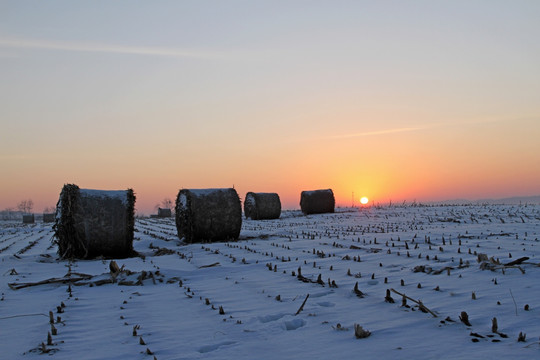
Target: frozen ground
{"x": 167, "y": 303}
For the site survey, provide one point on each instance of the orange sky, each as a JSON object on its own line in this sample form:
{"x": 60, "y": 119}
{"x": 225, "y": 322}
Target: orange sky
{"x": 445, "y": 162}
{"x": 389, "y": 101}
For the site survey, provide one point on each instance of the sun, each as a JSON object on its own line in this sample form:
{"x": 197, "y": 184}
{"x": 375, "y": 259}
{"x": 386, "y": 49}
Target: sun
{"x": 364, "y": 200}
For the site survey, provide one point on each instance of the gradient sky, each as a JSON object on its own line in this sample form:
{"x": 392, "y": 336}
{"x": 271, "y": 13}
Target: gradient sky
{"x": 394, "y": 100}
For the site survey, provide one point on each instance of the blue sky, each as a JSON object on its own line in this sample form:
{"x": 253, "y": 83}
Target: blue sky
{"x": 265, "y": 94}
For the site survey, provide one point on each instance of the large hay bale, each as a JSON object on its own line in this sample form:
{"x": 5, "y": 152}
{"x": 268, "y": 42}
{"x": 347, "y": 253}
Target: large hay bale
{"x": 262, "y": 206}
{"x": 164, "y": 213}
{"x": 208, "y": 215}
{"x": 28, "y": 219}
{"x": 317, "y": 201}
{"x": 48, "y": 217}
{"x": 92, "y": 223}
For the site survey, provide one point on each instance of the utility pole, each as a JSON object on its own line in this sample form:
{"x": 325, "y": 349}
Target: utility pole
{"x": 353, "y": 199}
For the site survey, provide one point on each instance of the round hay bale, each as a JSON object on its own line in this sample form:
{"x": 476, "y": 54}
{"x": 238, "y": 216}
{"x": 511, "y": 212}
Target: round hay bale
{"x": 48, "y": 218}
{"x": 92, "y": 223}
{"x": 28, "y": 219}
{"x": 208, "y": 215}
{"x": 262, "y": 206}
{"x": 317, "y": 201}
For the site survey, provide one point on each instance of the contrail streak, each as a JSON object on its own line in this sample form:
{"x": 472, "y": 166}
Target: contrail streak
{"x": 22, "y": 43}
{"x": 427, "y": 126}
{"x": 378, "y": 132}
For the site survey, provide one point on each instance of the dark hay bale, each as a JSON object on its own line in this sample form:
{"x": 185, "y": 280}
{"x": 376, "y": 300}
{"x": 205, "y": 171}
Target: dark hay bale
{"x": 208, "y": 215}
{"x": 262, "y": 206}
{"x": 92, "y": 223}
{"x": 317, "y": 201}
{"x": 164, "y": 213}
{"x": 48, "y": 217}
{"x": 28, "y": 219}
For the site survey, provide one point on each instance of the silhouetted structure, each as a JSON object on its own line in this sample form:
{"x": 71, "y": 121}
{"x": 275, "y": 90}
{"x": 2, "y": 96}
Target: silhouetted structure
{"x": 164, "y": 213}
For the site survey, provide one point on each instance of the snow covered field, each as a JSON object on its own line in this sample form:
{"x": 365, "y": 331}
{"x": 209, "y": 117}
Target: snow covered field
{"x": 242, "y": 300}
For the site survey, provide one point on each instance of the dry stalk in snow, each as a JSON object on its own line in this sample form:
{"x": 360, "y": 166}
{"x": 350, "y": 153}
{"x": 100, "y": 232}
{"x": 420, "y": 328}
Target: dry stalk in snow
{"x": 494, "y": 326}
{"x": 17, "y": 286}
{"x": 302, "y": 306}
{"x": 360, "y": 333}
{"x": 517, "y": 261}
{"x": 358, "y": 293}
{"x": 464, "y": 317}
{"x": 388, "y": 298}
{"x": 422, "y": 307}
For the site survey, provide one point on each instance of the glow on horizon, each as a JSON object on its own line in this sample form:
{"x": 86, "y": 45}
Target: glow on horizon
{"x": 351, "y": 97}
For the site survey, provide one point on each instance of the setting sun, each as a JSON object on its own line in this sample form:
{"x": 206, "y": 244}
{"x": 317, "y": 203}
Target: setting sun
{"x": 364, "y": 200}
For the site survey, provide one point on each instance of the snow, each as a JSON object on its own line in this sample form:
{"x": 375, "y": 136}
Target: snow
{"x": 114, "y": 194}
{"x": 311, "y": 192}
{"x": 183, "y": 200}
{"x": 196, "y": 193}
{"x": 252, "y": 281}
{"x": 250, "y": 200}
{"x": 204, "y": 192}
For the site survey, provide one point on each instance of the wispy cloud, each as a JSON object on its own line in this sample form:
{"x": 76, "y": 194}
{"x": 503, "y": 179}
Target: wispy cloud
{"x": 378, "y": 132}
{"x": 24, "y": 43}
{"x": 427, "y": 127}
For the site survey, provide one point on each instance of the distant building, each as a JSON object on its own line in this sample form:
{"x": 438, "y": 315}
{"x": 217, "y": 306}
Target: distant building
{"x": 164, "y": 213}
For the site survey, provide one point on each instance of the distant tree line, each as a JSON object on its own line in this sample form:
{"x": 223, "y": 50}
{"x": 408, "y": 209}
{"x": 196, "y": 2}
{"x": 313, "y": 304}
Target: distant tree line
{"x": 24, "y": 207}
